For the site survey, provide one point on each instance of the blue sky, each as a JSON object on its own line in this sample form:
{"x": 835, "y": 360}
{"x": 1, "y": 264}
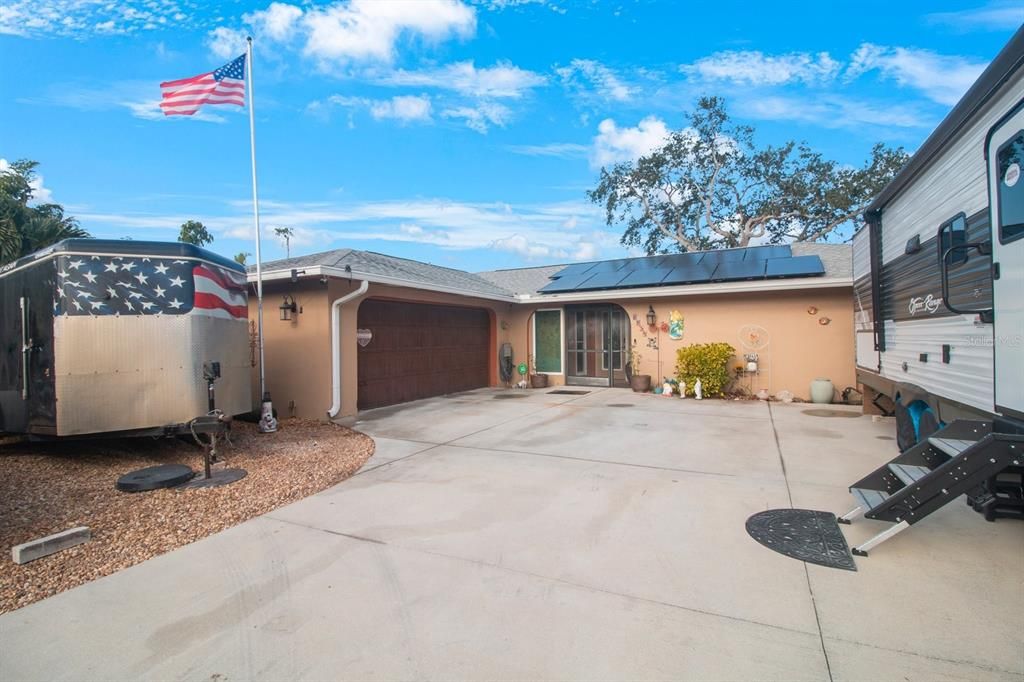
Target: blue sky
{"x": 459, "y": 133}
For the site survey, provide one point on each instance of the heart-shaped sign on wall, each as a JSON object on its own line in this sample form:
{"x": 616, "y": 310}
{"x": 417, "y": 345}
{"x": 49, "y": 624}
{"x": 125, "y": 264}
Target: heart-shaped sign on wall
{"x": 363, "y": 337}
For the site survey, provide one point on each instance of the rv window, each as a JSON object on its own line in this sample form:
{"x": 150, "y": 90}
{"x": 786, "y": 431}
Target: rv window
{"x": 952, "y": 233}
{"x": 1011, "y": 189}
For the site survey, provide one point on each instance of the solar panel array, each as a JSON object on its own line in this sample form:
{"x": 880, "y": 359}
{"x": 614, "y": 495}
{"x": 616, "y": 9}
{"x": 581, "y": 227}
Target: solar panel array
{"x": 727, "y": 265}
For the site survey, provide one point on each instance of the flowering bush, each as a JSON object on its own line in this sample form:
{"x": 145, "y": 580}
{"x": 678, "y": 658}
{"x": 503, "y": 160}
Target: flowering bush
{"x": 708, "y": 362}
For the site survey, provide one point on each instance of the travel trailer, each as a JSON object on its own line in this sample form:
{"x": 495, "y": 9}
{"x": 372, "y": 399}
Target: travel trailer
{"x": 938, "y": 277}
{"x": 109, "y": 336}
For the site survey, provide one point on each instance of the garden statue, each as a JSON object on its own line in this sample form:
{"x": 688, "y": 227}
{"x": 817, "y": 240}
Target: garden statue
{"x": 697, "y": 391}
{"x": 666, "y": 389}
{"x": 682, "y": 388}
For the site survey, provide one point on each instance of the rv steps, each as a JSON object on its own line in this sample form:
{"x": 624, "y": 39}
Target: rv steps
{"x": 965, "y": 457}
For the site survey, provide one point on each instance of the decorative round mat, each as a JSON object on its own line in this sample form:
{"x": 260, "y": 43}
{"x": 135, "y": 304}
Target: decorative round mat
{"x": 803, "y": 534}
{"x": 151, "y": 478}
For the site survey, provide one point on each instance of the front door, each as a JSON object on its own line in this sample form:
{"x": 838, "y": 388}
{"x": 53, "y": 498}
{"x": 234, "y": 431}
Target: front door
{"x": 1006, "y": 194}
{"x": 597, "y": 345}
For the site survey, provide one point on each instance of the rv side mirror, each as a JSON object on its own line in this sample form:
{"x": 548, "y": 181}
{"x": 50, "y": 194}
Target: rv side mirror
{"x": 953, "y": 236}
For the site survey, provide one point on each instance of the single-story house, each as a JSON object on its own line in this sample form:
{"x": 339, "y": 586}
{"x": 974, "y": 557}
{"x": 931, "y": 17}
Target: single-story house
{"x": 349, "y": 330}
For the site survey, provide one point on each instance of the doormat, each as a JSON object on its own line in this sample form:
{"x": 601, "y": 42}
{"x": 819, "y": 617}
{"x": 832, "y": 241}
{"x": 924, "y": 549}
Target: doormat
{"x": 563, "y": 391}
{"x": 803, "y": 534}
{"x": 508, "y": 396}
{"x": 620, "y": 405}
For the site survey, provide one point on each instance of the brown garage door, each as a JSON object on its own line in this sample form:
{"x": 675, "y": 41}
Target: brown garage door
{"x": 419, "y": 350}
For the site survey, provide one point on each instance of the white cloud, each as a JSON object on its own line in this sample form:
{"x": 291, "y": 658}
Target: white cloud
{"x": 614, "y": 144}
{"x": 139, "y": 98}
{"x": 941, "y": 78}
{"x": 226, "y": 43}
{"x": 503, "y": 80}
{"x": 368, "y": 30}
{"x": 756, "y": 68}
{"x": 586, "y": 251}
{"x": 278, "y": 22}
{"x": 831, "y": 111}
{"x": 520, "y": 245}
{"x": 40, "y": 193}
{"x": 563, "y": 150}
{"x": 587, "y": 77}
{"x": 88, "y": 18}
{"x": 995, "y": 16}
{"x": 481, "y": 116}
{"x": 405, "y": 108}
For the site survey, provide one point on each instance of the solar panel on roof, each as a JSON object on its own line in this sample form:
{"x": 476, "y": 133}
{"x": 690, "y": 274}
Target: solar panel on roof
{"x": 645, "y": 278}
{"x": 609, "y": 266}
{"x": 602, "y": 280}
{"x": 724, "y": 256}
{"x": 765, "y": 252}
{"x": 680, "y": 260}
{"x": 562, "y": 284}
{"x": 794, "y": 266}
{"x": 574, "y": 269}
{"x": 739, "y": 270}
{"x": 692, "y": 274}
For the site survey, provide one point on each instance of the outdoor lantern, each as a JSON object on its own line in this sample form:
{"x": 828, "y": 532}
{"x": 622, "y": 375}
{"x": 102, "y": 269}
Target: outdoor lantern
{"x": 288, "y": 308}
{"x": 652, "y": 319}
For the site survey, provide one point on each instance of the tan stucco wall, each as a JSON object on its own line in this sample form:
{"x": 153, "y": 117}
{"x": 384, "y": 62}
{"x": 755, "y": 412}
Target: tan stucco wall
{"x": 298, "y": 353}
{"x": 799, "y": 350}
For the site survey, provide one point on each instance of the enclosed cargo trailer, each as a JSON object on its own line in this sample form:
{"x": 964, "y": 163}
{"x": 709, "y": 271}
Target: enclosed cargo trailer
{"x": 110, "y": 336}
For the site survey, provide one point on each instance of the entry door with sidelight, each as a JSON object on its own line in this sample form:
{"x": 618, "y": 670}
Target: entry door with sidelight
{"x": 597, "y": 345}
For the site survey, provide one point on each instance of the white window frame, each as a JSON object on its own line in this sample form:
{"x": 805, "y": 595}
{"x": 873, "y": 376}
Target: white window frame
{"x": 561, "y": 338}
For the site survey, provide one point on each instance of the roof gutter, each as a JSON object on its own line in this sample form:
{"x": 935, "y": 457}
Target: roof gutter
{"x": 327, "y": 271}
{"x": 335, "y": 407}
{"x": 749, "y": 287}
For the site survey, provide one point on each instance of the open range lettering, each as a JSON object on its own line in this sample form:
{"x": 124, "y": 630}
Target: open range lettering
{"x": 928, "y": 303}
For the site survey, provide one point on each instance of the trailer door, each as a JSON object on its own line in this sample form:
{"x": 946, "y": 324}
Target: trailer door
{"x": 1005, "y": 155}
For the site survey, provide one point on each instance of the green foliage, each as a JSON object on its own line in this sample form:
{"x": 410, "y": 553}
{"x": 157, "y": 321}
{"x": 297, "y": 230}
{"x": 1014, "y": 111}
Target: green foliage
{"x": 285, "y": 234}
{"x": 708, "y": 362}
{"x": 194, "y": 232}
{"x": 710, "y": 186}
{"x": 25, "y": 229}
{"x": 241, "y": 257}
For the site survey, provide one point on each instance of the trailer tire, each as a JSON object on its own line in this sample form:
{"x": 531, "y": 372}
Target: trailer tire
{"x": 906, "y": 437}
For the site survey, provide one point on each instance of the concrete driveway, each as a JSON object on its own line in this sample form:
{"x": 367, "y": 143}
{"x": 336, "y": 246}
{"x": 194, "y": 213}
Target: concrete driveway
{"x": 563, "y": 537}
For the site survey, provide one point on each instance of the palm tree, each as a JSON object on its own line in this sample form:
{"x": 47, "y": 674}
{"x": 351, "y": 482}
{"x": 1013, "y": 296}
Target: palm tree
{"x": 286, "y": 234}
{"x": 25, "y": 229}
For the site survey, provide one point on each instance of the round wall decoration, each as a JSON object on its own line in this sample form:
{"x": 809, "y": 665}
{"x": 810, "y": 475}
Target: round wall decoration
{"x": 754, "y": 337}
{"x": 363, "y": 337}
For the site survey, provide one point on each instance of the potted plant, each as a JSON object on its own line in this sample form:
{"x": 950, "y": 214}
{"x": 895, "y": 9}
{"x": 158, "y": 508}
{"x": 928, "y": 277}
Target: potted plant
{"x": 536, "y": 380}
{"x": 641, "y": 383}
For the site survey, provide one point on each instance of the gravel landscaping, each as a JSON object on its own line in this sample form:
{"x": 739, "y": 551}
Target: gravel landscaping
{"x": 49, "y": 487}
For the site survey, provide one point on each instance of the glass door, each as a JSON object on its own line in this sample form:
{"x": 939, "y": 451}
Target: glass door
{"x": 597, "y": 344}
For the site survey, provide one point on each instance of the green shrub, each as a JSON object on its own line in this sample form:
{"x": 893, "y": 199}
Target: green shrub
{"x": 708, "y": 362}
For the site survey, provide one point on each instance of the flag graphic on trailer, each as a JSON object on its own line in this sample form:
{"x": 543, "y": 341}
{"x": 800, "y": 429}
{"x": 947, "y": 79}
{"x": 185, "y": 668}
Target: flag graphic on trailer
{"x": 123, "y": 285}
{"x": 225, "y": 85}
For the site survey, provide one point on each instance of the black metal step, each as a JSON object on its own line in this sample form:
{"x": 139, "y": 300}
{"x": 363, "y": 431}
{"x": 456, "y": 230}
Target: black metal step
{"x": 950, "y": 446}
{"x": 909, "y": 473}
{"x": 869, "y": 499}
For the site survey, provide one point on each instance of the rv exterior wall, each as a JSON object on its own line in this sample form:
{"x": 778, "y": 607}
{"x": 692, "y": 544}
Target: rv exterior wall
{"x": 955, "y": 182}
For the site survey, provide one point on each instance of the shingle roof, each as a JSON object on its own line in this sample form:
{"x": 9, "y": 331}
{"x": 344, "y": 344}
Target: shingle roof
{"x": 837, "y": 259}
{"x": 412, "y": 271}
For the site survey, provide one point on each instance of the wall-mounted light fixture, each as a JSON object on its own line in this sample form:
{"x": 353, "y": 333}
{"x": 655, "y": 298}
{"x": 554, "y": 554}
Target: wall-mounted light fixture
{"x": 288, "y": 308}
{"x": 652, "y": 319}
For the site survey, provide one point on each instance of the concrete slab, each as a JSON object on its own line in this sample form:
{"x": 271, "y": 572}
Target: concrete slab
{"x": 391, "y": 449}
{"x": 271, "y": 600}
{"x": 645, "y": 532}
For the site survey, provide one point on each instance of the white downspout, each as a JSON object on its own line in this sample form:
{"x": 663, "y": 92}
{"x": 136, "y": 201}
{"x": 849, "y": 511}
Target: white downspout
{"x": 336, "y": 347}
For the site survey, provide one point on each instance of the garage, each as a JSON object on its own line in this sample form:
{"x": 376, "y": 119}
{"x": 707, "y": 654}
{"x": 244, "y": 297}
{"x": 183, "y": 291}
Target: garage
{"x": 418, "y": 350}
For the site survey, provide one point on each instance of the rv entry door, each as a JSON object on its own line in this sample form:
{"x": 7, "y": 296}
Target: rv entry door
{"x": 1005, "y": 155}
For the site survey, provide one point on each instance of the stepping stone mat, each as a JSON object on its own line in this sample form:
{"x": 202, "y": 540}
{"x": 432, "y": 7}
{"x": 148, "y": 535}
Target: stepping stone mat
{"x": 803, "y": 534}
{"x": 151, "y": 478}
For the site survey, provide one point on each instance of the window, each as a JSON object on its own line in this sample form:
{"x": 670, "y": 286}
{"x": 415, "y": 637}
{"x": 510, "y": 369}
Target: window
{"x": 952, "y": 233}
{"x": 1010, "y": 189}
{"x": 547, "y": 341}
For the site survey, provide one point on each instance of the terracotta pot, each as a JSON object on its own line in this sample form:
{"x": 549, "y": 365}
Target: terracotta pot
{"x": 539, "y": 380}
{"x": 641, "y": 383}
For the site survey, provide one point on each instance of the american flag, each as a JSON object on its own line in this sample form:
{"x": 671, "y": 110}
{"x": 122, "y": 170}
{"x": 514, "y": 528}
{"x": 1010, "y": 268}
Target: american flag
{"x": 125, "y": 285}
{"x": 226, "y": 85}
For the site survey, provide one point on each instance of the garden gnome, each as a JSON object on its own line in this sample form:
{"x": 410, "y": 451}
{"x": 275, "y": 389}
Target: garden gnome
{"x": 666, "y": 389}
{"x": 697, "y": 391}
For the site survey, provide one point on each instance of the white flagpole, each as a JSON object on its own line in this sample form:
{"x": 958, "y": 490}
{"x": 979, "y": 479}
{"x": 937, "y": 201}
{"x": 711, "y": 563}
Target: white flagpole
{"x": 256, "y": 219}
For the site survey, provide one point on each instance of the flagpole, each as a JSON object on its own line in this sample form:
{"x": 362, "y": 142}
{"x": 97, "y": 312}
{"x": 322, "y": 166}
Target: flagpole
{"x": 256, "y": 219}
